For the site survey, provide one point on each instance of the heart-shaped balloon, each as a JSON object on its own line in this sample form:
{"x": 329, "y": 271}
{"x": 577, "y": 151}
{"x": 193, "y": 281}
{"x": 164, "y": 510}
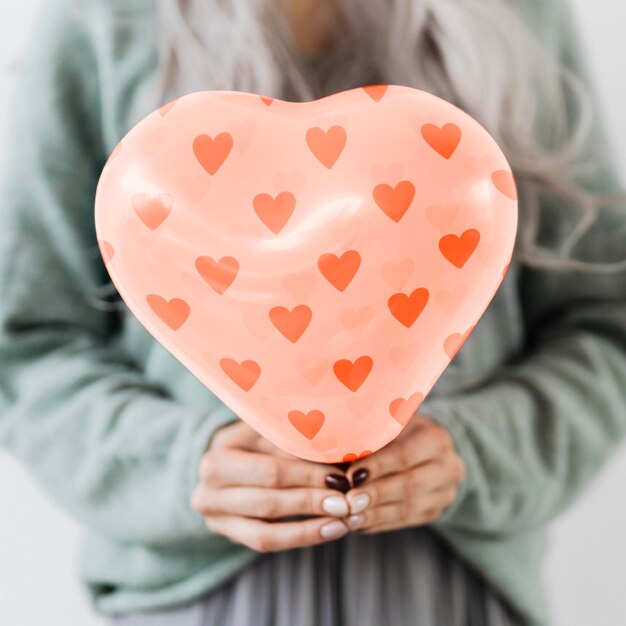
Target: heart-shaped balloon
{"x": 316, "y": 265}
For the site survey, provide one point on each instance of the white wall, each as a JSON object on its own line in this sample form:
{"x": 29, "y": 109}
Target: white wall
{"x": 587, "y": 556}
{"x": 37, "y": 542}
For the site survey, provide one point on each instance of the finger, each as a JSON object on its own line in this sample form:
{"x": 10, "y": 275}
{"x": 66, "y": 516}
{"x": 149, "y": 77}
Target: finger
{"x": 415, "y": 482}
{"x": 240, "y": 436}
{"x": 274, "y": 536}
{"x": 426, "y": 517}
{"x": 404, "y": 513}
{"x": 225, "y": 468}
{"x": 268, "y": 503}
{"x": 264, "y": 445}
{"x": 236, "y": 434}
{"x": 418, "y": 446}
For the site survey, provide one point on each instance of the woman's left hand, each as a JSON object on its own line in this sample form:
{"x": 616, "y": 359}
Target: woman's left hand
{"x": 409, "y": 482}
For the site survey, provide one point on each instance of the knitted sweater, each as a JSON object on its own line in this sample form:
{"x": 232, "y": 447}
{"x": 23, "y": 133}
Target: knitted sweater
{"x": 112, "y": 426}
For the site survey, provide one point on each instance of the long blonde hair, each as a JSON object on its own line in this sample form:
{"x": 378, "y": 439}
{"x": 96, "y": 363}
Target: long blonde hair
{"x": 478, "y": 54}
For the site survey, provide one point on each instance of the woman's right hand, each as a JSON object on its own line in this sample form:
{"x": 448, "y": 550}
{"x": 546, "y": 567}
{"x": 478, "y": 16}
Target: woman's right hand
{"x": 247, "y": 485}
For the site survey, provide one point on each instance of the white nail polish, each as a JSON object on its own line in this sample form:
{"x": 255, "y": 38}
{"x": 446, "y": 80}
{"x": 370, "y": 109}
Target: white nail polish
{"x": 359, "y": 503}
{"x": 354, "y": 521}
{"x": 335, "y": 506}
{"x": 333, "y": 530}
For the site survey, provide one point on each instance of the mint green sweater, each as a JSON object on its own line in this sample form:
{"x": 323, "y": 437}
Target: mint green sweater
{"x": 113, "y": 427}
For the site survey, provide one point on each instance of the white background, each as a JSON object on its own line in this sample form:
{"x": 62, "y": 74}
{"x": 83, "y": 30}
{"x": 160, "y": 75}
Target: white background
{"x": 586, "y": 571}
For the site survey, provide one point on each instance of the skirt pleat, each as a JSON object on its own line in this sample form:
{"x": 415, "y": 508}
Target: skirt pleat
{"x": 408, "y": 577}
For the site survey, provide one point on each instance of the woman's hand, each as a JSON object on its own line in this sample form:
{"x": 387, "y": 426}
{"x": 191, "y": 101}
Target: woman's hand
{"x": 247, "y": 484}
{"x": 409, "y": 482}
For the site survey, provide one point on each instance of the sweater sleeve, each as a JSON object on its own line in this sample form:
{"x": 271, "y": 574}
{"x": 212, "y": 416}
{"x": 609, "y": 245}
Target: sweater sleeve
{"x": 539, "y": 431}
{"x": 115, "y": 450}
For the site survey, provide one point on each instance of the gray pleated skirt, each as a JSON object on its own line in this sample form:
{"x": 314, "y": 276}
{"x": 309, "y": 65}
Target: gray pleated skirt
{"x": 408, "y": 577}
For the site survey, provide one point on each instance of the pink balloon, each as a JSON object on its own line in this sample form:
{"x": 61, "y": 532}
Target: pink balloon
{"x": 316, "y": 265}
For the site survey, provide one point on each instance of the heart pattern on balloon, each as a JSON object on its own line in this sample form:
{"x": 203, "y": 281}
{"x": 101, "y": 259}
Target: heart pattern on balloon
{"x": 316, "y": 265}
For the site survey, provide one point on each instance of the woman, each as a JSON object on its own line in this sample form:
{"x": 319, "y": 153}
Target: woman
{"x": 191, "y": 517}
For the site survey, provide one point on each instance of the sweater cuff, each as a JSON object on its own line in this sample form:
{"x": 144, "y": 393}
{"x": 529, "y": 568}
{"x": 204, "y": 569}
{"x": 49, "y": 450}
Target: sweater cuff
{"x": 442, "y": 412}
{"x": 216, "y": 419}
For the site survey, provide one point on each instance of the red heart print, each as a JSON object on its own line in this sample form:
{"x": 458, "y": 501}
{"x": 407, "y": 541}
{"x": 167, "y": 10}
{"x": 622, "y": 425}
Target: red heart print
{"x": 327, "y": 146}
{"x": 164, "y": 109}
{"x": 291, "y": 323}
{"x": 445, "y": 140}
{"x": 274, "y": 212}
{"x": 219, "y": 274}
{"x": 339, "y": 271}
{"x": 454, "y": 342}
{"x": 307, "y": 424}
{"x": 394, "y": 201}
{"x": 457, "y": 249}
{"x": 106, "y": 250}
{"x": 350, "y": 457}
{"x": 376, "y": 92}
{"x": 244, "y": 374}
{"x": 152, "y": 211}
{"x": 505, "y": 183}
{"x": 173, "y": 312}
{"x": 211, "y": 153}
{"x": 407, "y": 308}
{"x": 403, "y": 409}
{"x": 353, "y": 374}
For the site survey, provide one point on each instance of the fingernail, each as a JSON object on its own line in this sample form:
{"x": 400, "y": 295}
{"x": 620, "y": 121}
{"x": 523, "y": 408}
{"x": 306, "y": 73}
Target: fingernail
{"x": 338, "y": 482}
{"x": 360, "y": 476}
{"x": 336, "y": 506}
{"x": 359, "y": 503}
{"x": 354, "y": 521}
{"x": 333, "y": 530}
